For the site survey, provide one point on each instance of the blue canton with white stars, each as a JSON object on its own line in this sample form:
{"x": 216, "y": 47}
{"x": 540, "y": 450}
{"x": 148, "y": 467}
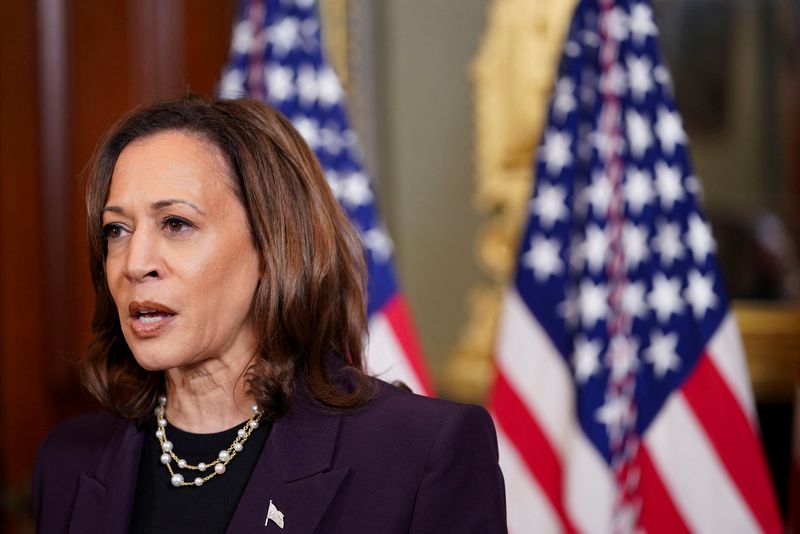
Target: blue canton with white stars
{"x": 673, "y": 293}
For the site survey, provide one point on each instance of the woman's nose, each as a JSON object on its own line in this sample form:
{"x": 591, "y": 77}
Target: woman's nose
{"x": 143, "y": 260}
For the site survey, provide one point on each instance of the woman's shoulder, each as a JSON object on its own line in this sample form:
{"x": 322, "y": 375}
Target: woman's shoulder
{"x": 80, "y": 437}
{"x": 404, "y": 404}
{"x": 398, "y": 414}
{"x": 69, "y": 458}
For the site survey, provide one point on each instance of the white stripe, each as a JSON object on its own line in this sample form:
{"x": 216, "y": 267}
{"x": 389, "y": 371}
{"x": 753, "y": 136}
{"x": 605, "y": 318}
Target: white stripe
{"x": 540, "y": 376}
{"x": 727, "y": 353}
{"x": 590, "y": 486}
{"x": 529, "y": 510}
{"x": 693, "y": 475}
{"x": 386, "y": 358}
{"x": 535, "y": 370}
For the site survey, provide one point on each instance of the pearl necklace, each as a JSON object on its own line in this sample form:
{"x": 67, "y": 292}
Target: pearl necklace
{"x": 218, "y": 465}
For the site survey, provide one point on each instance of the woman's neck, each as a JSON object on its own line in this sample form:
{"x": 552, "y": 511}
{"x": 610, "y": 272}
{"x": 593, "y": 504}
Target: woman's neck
{"x": 207, "y": 398}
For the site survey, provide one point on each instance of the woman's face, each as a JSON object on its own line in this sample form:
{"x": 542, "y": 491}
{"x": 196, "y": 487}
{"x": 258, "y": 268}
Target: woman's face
{"x": 181, "y": 265}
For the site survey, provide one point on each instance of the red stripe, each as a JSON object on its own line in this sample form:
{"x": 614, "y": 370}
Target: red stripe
{"x": 793, "y": 526}
{"x": 531, "y": 443}
{"x": 658, "y": 511}
{"x": 734, "y": 439}
{"x": 396, "y": 312}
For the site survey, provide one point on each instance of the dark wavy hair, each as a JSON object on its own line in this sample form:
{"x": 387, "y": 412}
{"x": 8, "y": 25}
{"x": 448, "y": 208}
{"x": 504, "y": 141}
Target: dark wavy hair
{"x": 309, "y": 303}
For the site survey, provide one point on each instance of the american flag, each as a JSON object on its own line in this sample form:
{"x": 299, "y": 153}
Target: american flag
{"x": 622, "y": 399}
{"x": 276, "y": 56}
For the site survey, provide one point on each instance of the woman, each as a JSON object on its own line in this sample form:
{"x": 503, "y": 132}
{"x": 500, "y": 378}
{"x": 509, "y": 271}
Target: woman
{"x": 228, "y": 353}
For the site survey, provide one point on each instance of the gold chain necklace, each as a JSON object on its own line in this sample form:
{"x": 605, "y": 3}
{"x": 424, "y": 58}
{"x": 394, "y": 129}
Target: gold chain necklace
{"x": 217, "y": 466}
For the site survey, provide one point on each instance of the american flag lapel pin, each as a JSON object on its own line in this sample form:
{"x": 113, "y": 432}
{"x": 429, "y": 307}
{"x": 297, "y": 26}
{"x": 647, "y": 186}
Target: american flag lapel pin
{"x": 274, "y": 514}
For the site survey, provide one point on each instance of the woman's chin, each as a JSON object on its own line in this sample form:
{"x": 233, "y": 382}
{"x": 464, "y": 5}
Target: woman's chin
{"x": 158, "y": 359}
{"x": 152, "y": 363}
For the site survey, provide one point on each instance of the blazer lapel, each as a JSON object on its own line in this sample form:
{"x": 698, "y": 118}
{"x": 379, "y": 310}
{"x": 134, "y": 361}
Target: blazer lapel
{"x": 105, "y": 498}
{"x": 293, "y": 473}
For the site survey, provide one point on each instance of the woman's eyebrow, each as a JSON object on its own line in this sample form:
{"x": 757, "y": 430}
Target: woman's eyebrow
{"x": 161, "y": 204}
{"x": 158, "y": 205}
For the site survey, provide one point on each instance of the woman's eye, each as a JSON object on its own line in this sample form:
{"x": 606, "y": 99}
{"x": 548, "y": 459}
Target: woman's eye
{"x": 112, "y": 231}
{"x": 176, "y": 225}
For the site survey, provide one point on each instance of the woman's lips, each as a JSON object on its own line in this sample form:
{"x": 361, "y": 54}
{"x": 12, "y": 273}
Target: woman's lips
{"x": 148, "y": 318}
{"x": 148, "y": 325}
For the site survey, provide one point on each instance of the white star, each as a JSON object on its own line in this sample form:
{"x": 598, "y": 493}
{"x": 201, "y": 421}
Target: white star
{"x": 242, "y": 37}
{"x": 307, "y": 84}
{"x": 564, "y": 98}
{"x": 661, "y": 353}
{"x": 602, "y": 143}
{"x": 330, "y": 92}
{"x": 668, "y": 243}
{"x": 599, "y": 194}
{"x": 661, "y": 75}
{"x": 586, "y": 358}
{"x": 304, "y": 4}
{"x": 669, "y": 130}
{"x": 232, "y": 84}
{"x": 331, "y": 140}
{"x": 309, "y": 31}
{"x": 622, "y": 356}
{"x": 280, "y": 83}
{"x": 308, "y": 128}
{"x": 617, "y": 24}
{"x": 572, "y": 49}
{"x": 668, "y": 184}
{"x": 549, "y": 204}
{"x": 555, "y": 151}
{"x": 641, "y": 138}
{"x": 638, "y": 190}
{"x": 641, "y": 23}
{"x": 355, "y": 190}
{"x": 634, "y": 243}
{"x": 665, "y": 297}
{"x": 700, "y": 293}
{"x": 284, "y": 35}
{"x": 699, "y": 238}
{"x": 694, "y": 186}
{"x": 633, "y": 300}
{"x": 614, "y": 414}
{"x": 544, "y": 257}
{"x": 351, "y": 140}
{"x": 639, "y": 78}
{"x": 595, "y": 247}
{"x": 591, "y": 38}
{"x": 379, "y": 243}
{"x": 593, "y": 303}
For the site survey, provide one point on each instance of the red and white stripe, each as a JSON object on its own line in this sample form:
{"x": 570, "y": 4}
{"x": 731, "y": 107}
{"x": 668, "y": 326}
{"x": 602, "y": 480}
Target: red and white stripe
{"x": 393, "y": 351}
{"x": 701, "y": 463}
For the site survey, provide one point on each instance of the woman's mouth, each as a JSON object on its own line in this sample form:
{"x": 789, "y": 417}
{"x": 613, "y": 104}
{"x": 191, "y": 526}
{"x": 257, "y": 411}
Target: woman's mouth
{"x": 148, "y": 318}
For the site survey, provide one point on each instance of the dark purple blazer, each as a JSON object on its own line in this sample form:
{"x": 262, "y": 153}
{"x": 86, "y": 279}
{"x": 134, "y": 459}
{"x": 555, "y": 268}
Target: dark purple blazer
{"x": 403, "y": 463}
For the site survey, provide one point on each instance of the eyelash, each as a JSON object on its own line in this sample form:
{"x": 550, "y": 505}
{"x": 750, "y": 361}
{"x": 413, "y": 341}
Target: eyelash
{"x": 105, "y": 233}
{"x": 171, "y": 220}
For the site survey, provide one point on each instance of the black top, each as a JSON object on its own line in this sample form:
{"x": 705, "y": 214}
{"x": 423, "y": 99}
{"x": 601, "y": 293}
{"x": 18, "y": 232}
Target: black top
{"x": 159, "y": 507}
